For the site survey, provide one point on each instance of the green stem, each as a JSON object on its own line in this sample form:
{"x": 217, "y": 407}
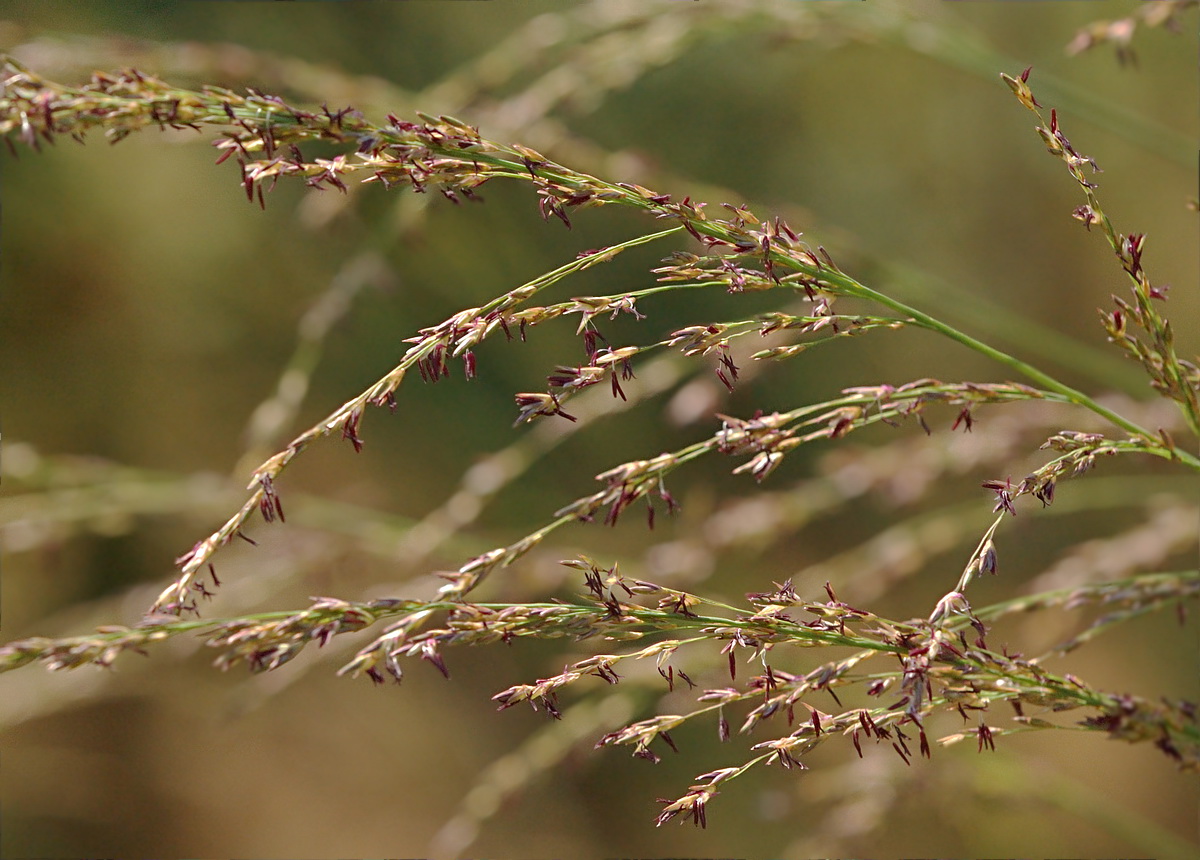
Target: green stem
{"x": 1029, "y": 371}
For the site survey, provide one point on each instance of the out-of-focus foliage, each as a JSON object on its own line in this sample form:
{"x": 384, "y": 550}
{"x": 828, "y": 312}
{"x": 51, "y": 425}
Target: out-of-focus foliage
{"x": 160, "y": 338}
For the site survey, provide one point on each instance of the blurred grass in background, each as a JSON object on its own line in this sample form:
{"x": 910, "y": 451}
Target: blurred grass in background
{"x": 149, "y": 311}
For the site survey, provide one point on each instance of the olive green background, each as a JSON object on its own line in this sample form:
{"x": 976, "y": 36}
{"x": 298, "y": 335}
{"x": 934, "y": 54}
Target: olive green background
{"x": 148, "y": 309}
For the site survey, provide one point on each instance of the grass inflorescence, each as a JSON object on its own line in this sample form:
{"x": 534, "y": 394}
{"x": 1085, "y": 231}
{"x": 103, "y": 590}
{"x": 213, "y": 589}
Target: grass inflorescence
{"x": 901, "y": 672}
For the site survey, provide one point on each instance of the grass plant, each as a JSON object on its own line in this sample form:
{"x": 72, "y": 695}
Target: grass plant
{"x": 865, "y": 679}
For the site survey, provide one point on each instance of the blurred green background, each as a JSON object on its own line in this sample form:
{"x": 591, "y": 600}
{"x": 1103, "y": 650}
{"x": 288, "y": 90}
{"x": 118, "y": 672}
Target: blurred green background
{"x": 149, "y": 313}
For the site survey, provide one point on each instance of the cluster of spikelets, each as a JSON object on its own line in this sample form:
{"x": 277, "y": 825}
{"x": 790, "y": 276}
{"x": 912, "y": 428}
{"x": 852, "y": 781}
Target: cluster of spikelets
{"x": 939, "y": 663}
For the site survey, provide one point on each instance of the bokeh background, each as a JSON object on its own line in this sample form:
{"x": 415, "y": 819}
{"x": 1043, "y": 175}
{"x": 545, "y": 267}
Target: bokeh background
{"x": 159, "y": 339}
